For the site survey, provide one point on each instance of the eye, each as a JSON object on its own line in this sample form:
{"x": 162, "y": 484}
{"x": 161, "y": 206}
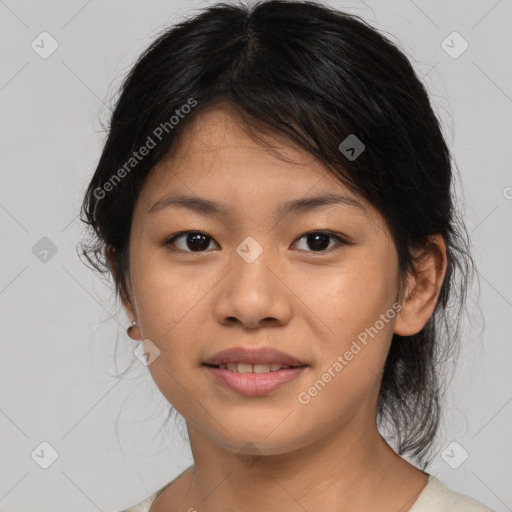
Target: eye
{"x": 319, "y": 240}
{"x": 196, "y": 241}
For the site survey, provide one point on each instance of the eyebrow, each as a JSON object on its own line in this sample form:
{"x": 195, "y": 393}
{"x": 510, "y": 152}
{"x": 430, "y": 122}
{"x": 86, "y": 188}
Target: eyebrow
{"x": 208, "y": 207}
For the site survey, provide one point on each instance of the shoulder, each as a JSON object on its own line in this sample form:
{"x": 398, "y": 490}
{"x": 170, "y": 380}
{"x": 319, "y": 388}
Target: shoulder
{"x": 436, "y": 497}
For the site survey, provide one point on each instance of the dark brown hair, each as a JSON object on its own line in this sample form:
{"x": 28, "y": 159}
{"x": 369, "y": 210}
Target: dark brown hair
{"x": 316, "y": 75}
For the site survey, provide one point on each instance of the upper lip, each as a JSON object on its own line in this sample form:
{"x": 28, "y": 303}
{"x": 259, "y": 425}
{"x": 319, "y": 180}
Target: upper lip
{"x": 264, "y": 355}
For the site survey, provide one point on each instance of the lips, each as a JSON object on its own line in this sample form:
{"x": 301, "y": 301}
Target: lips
{"x": 254, "y": 384}
{"x": 252, "y": 356}
{"x": 253, "y": 371}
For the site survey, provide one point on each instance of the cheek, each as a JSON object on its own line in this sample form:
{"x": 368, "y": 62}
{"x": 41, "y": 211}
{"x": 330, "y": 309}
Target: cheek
{"x": 172, "y": 306}
{"x": 356, "y": 304}
{"x": 168, "y": 295}
{"x": 352, "y": 296}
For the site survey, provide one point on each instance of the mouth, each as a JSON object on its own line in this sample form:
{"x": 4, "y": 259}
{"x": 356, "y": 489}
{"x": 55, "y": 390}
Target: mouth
{"x": 253, "y": 371}
{"x": 254, "y": 368}
{"x": 253, "y": 380}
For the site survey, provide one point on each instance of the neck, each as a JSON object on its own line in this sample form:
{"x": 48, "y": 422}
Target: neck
{"x": 351, "y": 469}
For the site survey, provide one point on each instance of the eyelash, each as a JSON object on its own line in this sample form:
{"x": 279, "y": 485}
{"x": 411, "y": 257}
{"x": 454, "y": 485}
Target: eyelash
{"x": 341, "y": 241}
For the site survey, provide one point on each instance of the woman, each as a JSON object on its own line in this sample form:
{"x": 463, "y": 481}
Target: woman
{"x": 274, "y": 204}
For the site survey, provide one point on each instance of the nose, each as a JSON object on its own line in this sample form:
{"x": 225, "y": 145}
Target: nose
{"x": 254, "y": 293}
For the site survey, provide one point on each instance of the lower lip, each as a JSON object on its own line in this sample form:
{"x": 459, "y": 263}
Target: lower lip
{"x": 254, "y": 384}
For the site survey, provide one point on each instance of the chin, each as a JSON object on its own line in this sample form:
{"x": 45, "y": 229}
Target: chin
{"x": 251, "y": 441}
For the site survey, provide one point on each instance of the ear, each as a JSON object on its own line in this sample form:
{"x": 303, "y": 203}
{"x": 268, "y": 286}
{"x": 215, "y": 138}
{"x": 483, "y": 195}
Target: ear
{"x": 127, "y": 305}
{"x": 423, "y": 287}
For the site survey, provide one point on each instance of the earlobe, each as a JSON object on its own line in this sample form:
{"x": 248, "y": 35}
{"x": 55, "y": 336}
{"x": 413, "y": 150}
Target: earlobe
{"x": 132, "y": 331}
{"x": 423, "y": 288}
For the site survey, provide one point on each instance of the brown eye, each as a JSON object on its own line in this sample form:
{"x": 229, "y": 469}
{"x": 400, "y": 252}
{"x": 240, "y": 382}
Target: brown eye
{"x": 190, "y": 241}
{"x": 319, "y": 241}
{"x": 197, "y": 241}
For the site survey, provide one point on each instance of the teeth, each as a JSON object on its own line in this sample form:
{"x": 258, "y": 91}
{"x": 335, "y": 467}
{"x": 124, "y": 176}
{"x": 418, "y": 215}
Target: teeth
{"x": 244, "y": 368}
{"x": 261, "y": 368}
{"x": 257, "y": 368}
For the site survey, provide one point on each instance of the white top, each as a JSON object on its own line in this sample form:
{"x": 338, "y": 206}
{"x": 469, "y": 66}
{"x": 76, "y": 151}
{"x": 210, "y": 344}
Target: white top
{"x": 435, "y": 497}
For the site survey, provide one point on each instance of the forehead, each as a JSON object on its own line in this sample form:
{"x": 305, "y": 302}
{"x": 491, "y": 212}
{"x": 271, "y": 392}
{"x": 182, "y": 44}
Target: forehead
{"x": 216, "y": 144}
{"x": 219, "y": 157}
{"x": 219, "y": 141}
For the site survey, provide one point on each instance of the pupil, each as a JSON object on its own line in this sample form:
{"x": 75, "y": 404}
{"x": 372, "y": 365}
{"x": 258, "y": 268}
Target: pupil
{"x": 319, "y": 241}
{"x": 197, "y": 241}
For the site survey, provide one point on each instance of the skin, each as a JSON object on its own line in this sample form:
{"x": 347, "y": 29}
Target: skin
{"x": 326, "y": 455}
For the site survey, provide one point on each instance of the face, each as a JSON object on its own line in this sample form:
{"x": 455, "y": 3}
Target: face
{"x": 259, "y": 275}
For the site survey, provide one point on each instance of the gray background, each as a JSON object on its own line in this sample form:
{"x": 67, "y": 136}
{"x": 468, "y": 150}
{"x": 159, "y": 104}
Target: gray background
{"x": 59, "y": 323}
